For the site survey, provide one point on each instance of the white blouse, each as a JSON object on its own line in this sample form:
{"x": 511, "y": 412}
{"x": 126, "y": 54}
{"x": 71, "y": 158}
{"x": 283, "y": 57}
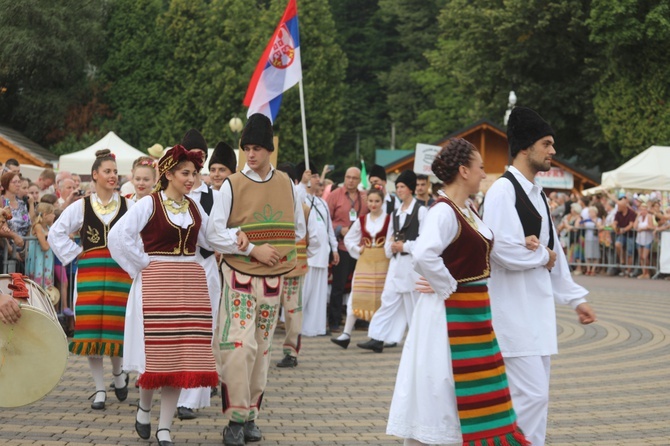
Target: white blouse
{"x": 353, "y": 238}
{"x": 70, "y": 221}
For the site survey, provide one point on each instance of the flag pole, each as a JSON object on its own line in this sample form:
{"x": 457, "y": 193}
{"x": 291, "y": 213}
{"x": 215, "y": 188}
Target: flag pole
{"x": 304, "y": 124}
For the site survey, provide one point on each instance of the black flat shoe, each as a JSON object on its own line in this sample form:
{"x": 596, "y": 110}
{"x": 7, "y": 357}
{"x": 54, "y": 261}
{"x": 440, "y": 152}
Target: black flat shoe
{"x": 98, "y": 405}
{"x": 372, "y": 344}
{"x": 113, "y": 386}
{"x": 390, "y": 345}
{"x": 344, "y": 343}
{"x": 184, "y": 413}
{"x": 143, "y": 430}
{"x": 233, "y": 435}
{"x": 288, "y": 362}
{"x": 252, "y": 432}
{"x": 122, "y": 393}
{"x": 163, "y": 442}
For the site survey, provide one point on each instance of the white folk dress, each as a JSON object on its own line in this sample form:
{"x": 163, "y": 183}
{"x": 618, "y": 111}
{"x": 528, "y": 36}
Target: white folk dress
{"x": 424, "y": 400}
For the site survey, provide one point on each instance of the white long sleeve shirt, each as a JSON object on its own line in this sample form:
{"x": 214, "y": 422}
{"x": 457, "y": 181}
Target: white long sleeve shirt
{"x": 523, "y": 292}
{"x": 352, "y": 240}
{"x": 317, "y": 256}
{"x": 401, "y": 275}
{"x": 217, "y": 235}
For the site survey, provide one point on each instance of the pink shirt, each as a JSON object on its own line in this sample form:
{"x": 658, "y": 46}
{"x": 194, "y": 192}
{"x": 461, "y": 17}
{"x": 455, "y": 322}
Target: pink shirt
{"x": 339, "y": 204}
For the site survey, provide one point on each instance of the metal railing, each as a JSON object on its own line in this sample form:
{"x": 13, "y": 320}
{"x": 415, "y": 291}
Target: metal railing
{"x": 612, "y": 253}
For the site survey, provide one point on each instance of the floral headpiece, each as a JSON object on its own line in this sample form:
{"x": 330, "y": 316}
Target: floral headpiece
{"x": 147, "y": 162}
{"x": 174, "y": 156}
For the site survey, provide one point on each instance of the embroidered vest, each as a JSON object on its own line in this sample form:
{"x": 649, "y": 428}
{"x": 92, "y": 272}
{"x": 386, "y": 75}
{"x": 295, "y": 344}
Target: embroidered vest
{"x": 301, "y": 266}
{"x": 206, "y": 201}
{"x": 94, "y": 231}
{"x": 161, "y": 237}
{"x": 467, "y": 257}
{"x": 531, "y": 220}
{"x": 409, "y": 230}
{"x": 377, "y": 241}
{"x": 264, "y": 211}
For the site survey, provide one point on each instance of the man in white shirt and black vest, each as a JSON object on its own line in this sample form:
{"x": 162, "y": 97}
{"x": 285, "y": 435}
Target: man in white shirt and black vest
{"x": 525, "y": 284}
{"x": 258, "y": 200}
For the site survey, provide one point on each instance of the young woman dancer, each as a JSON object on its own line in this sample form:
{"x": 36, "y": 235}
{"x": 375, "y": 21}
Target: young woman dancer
{"x": 144, "y": 177}
{"x": 102, "y": 286}
{"x": 365, "y": 242}
{"x": 169, "y": 324}
{"x": 451, "y": 386}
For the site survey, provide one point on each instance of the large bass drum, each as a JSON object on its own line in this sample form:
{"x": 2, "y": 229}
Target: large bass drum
{"x": 33, "y": 351}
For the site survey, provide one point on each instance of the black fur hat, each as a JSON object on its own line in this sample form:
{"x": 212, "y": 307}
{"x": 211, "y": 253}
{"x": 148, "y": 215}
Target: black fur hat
{"x": 224, "y": 154}
{"x": 258, "y": 131}
{"x": 193, "y": 139}
{"x": 377, "y": 171}
{"x": 524, "y": 128}
{"x": 408, "y": 178}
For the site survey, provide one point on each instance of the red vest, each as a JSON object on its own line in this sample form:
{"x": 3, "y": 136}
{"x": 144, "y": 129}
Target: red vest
{"x": 468, "y": 255}
{"x": 161, "y": 237}
{"x": 379, "y": 238}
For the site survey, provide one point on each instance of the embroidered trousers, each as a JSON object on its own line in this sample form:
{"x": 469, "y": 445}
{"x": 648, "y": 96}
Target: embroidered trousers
{"x": 247, "y": 320}
{"x": 291, "y": 301}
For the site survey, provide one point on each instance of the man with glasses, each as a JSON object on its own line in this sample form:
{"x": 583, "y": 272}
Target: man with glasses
{"x": 346, "y": 204}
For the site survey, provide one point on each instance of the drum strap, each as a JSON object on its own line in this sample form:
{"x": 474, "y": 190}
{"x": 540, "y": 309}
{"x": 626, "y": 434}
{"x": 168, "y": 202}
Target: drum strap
{"x": 18, "y": 286}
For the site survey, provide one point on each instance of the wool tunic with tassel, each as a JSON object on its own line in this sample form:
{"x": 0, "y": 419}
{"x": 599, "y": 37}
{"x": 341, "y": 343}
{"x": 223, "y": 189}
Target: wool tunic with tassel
{"x": 168, "y": 327}
{"x": 451, "y": 386}
{"x": 102, "y": 286}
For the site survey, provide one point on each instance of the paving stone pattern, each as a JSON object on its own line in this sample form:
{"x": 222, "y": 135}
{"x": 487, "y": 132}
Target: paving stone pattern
{"x": 610, "y": 386}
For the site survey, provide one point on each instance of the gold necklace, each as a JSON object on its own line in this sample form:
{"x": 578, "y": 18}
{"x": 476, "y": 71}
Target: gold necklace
{"x": 176, "y": 207}
{"x": 104, "y": 209}
{"x": 470, "y": 218}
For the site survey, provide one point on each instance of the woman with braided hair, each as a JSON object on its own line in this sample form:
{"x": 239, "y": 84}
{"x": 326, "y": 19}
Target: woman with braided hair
{"x": 451, "y": 386}
{"x": 169, "y": 321}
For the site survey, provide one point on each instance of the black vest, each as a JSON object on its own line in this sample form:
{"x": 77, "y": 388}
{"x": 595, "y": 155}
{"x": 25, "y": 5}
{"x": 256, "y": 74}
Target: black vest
{"x": 206, "y": 201}
{"x": 410, "y": 230}
{"x": 390, "y": 205}
{"x": 93, "y": 230}
{"x": 531, "y": 220}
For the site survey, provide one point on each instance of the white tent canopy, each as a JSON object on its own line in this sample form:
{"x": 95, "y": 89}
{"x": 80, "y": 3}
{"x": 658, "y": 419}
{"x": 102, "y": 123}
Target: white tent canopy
{"x": 81, "y": 162}
{"x": 647, "y": 171}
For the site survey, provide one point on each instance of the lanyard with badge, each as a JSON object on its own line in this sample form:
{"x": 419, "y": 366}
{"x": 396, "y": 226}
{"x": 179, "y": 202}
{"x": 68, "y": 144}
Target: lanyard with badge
{"x": 353, "y": 215}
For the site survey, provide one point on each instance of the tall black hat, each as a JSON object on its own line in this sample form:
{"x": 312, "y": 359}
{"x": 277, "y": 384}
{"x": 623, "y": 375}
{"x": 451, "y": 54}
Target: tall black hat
{"x": 524, "y": 128}
{"x": 193, "y": 139}
{"x": 408, "y": 178}
{"x": 258, "y": 131}
{"x": 224, "y": 154}
{"x": 377, "y": 171}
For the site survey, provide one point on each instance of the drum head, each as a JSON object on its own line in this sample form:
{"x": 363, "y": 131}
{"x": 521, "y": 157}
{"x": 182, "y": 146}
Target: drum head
{"x": 33, "y": 357}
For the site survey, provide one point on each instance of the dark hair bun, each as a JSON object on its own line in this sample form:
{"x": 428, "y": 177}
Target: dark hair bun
{"x": 103, "y": 153}
{"x": 458, "y": 152}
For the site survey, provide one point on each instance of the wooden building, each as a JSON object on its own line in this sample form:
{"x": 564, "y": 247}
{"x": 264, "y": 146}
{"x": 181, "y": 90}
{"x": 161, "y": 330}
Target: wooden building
{"x": 491, "y": 140}
{"x": 14, "y": 144}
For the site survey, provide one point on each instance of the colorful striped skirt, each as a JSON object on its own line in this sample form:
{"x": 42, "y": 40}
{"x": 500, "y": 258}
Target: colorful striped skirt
{"x": 102, "y": 293}
{"x": 482, "y": 394}
{"x": 368, "y": 282}
{"x": 177, "y": 317}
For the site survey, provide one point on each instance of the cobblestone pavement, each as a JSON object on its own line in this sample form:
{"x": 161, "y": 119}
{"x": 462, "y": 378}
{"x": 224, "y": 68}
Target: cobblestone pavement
{"x": 610, "y": 386}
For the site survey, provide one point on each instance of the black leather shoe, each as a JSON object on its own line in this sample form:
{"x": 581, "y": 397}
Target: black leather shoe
{"x": 288, "y": 361}
{"x": 184, "y": 413}
{"x": 163, "y": 442}
{"x": 233, "y": 435}
{"x": 143, "y": 430}
{"x": 98, "y": 405}
{"x": 344, "y": 343}
{"x": 390, "y": 344}
{"x": 213, "y": 392}
{"x": 372, "y": 344}
{"x": 252, "y": 432}
{"x": 122, "y": 393}
{"x": 113, "y": 385}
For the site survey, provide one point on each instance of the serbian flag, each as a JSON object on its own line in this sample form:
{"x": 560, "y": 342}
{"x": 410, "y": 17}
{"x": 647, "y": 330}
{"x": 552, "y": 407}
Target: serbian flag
{"x": 278, "y": 69}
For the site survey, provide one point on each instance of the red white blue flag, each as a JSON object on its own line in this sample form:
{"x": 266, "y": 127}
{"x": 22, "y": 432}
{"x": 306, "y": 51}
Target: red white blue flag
{"x": 278, "y": 69}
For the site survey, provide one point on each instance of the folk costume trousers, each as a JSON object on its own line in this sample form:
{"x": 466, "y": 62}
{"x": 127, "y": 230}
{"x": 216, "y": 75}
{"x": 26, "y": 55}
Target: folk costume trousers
{"x": 291, "y": 301}
{"x": 247, "y": 319}
{"x": 315, "y": 302}
{"x": 528, "y": 379}
{"x": 389, "y": 323}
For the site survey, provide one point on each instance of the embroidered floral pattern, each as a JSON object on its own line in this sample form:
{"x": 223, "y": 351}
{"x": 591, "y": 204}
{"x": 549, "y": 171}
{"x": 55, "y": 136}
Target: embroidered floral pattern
{"x": 268, "y": 215}
{"x": 241, "y": 306}
{"x": 266, "y": 319}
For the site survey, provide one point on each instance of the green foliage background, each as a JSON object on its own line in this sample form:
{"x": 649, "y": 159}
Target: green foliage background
{"x": 597, "y": 70}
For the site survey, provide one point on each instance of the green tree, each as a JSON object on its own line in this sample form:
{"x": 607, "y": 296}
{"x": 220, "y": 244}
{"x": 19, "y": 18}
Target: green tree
{"x": 135, "y": 70}
{"x": 632, "y": 95}
{"x": 47, "y": 53}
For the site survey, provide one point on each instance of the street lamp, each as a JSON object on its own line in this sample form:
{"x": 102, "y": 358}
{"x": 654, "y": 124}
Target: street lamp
{"x": 511, "y": 102}
{"x": 236, "y": 125}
